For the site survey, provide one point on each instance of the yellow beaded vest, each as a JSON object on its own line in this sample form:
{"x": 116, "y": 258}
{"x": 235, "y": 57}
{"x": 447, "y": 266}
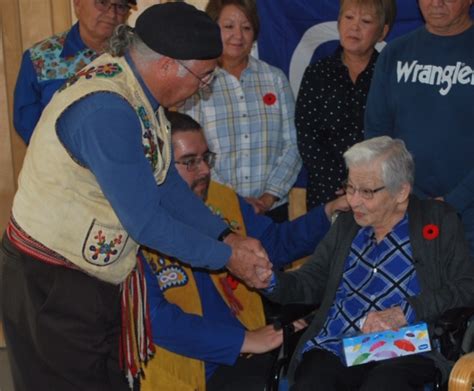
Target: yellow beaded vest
{"x": 168, "y": 371}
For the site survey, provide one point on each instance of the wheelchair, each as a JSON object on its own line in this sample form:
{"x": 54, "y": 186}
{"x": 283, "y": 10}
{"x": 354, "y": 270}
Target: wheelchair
{"x": 462, "y": 375}
{"x": 448, "y": 335}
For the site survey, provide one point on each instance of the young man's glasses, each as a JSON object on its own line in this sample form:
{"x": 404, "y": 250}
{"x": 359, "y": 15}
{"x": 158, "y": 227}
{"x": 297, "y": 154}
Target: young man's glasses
{"x": 364, "y": 192}
{"x": 192, "y": 163}
{"x": 121, "y": 8}
{"x": 204, "y": 82}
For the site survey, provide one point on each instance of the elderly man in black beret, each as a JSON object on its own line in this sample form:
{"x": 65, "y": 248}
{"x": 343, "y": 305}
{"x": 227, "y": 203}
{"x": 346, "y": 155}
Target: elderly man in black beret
{"x": 96, "y": 183}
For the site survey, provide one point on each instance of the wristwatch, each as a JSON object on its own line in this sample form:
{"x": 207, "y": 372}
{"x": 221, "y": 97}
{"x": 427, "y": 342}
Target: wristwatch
{"x": 224, "y": 234}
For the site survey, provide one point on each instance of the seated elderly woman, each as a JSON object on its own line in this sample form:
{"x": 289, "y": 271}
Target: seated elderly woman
{"x": 393, "y": 260}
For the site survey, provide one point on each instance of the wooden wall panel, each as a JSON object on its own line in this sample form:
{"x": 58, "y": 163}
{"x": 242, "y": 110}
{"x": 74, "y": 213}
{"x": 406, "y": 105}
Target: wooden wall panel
{"x": 36, "y": 21}
{"x": 201, "y": 4}
{"x": 12, "y": 50}
{"x": 23, "y": 23}
{"x": 142, "y": 4}
{"x": 62, "y": 14}
{"x": 7, "y": 187}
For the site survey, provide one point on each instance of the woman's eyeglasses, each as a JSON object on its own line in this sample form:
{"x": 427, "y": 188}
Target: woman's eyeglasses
{"x": 364, "y": 192}
{"x": 192, "y": 163}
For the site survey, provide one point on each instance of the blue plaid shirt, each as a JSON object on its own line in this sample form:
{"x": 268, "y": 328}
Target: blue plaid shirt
{"x": 376, "y": 277}
{"x": 249, "y": 123}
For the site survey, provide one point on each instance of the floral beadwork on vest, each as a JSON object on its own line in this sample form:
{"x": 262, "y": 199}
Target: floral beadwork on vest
{"x": 48, "y": 63}
{"x": 148, "y": 141}
{"x": 172, "y": 275}
{"x": 233, "y": 225}
{"x": 168, "y": 369}
{"x": 104, "y": 70}
{"x": 109, "y": 70}
{"x": 103, "y": 245}
{"x": 169, "y": 273}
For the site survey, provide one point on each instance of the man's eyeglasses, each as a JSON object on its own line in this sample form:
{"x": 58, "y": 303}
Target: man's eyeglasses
{"x": 365, "y": 193}
{"x": 121, "y": 8}
{"x": 192, "y": 163}
{"x": 204, "y": 82}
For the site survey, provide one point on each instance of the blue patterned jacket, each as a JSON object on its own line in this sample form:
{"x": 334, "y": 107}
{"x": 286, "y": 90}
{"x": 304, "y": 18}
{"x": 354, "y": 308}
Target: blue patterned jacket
{"x": 44, "y": 68}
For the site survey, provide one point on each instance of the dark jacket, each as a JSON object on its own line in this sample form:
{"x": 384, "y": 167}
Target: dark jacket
{"x": 444, "y": 269}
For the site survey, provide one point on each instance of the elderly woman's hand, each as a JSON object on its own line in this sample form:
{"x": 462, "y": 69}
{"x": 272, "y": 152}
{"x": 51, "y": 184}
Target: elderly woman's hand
{"x": 267, "y": 201}
{"x": 258, "y": 206}
{"x": 340, "y": 204}
{"x": 393, "y": 318}
{"x": 263, "y": 203}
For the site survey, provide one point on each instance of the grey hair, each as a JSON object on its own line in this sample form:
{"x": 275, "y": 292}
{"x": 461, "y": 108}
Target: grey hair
{"x": 397, "y": 164}
{"x": 120, "y": 40}
{"x": 123, "y": 39}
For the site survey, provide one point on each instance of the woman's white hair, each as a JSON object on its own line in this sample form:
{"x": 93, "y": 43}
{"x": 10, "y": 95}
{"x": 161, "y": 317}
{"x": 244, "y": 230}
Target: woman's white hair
{"x": 397, "y": 166}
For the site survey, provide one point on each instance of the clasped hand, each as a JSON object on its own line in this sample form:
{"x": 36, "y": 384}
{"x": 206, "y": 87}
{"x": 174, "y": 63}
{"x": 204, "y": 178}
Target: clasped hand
{"x": 248, "y": 255}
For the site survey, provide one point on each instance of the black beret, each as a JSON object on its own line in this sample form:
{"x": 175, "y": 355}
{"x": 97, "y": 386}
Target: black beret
{"x": 180, "y": 31}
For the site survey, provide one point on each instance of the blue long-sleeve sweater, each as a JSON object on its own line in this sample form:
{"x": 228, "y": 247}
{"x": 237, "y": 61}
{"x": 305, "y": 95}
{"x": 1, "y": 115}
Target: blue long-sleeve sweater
{"x": 217, "y": 336}
{"x": 423, "y": 92}
{"x": 103, "y": 133}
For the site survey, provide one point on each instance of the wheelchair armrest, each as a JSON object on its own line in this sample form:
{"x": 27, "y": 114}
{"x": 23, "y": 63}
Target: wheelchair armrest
{"x": 452, "y": 319}
{"x": 462, "y": 375}
{"x": 291, "y": 312}
{"x": 284, "y": 321}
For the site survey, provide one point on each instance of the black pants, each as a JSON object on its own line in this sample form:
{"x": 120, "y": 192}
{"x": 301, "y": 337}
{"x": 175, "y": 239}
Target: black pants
{"x": 322, "y": 370}
{"x": 248, "y": 374}
{"x": 62, "y": 326}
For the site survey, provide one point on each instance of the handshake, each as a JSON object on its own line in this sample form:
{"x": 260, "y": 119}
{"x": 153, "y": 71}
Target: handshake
{"x": 249, "y": 261}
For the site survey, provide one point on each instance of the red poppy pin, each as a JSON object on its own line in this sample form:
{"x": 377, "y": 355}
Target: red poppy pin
{"x": 430, "y": 231}
{"x": 233, "y": 283}
{"x": 269, "y": 99}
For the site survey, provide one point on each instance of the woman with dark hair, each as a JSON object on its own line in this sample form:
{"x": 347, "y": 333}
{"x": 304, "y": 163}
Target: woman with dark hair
{"x": 249, "y": 116}
{"x": 333, "y": 93}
